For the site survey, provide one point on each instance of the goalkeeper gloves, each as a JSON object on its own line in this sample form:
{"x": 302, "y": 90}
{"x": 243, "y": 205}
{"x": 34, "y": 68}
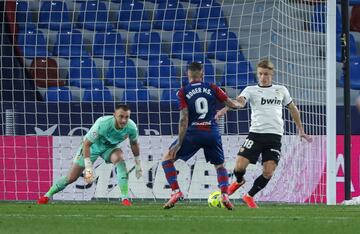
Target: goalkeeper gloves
{"x": 89, "y": 174}
{"x": 138, "y": 169}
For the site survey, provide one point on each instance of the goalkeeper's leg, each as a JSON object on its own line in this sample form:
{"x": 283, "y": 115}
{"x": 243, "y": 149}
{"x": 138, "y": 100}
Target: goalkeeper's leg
{"x": 73, "y": 174}
{"x": 117, "y": 158}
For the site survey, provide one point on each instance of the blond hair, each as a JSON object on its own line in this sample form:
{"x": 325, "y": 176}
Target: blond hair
{"x": 265, "y": 63}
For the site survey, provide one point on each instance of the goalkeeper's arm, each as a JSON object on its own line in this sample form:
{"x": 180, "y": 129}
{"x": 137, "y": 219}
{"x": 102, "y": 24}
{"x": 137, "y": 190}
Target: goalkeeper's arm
{"x": 135, "y": 148}
{"x": 89, "y": 172}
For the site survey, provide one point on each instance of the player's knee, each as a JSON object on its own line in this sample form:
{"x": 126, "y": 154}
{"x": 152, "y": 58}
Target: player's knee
{"x": 239, "y": 174}
{"x": 116, "y": 158}
{"x": 268, "y": 174}
{"x": 71, "y": 179}
{"x": 166, "y": 156}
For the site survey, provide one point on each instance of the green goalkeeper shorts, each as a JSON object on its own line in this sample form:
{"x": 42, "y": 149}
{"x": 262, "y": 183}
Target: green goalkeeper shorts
{"x": 79, "y": 157}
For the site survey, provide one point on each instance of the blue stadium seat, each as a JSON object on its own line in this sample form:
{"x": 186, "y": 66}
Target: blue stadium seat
{"x": 23, "y": 17}
{"x": 238, "y": 75}
{"x": 136, "y": 95}
{"x": 54, "y": 15}
{"x": 146, "y": 45}
{"x": 58, "y": 94}
{"x": 318, "y": 19}
{"x": 354, "y": 74}
{"x": 169, "y": 95}
{"x": 170, "y": 16}
{"x": 97, "y": 95}
{"x": 162, "y": 74}
{"x": 83, "y": 74}
{"x": 133, "y": 17}
{"x": 69, "y": 44}
{"x": 32, "y": 44}
{"x": 186, "y": 45}
{"x": 122, "y": 73}
{"x": 353, "y": 49}
{"x": 223, "y": 46}
{"x": 108, "y": 45}
{"x": 94, "y": 16}
{"x": 210, "y": 16}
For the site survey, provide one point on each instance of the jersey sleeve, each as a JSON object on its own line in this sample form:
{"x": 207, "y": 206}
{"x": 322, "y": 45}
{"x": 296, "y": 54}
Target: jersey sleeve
{"x": 182, "y": 99}
{"x": 287, "y": 98}
{"x": 245, "y": 93}
{"x": 219, "y": 93}
{"x": 133, "y": 132}
{"x": 93, "y": 134}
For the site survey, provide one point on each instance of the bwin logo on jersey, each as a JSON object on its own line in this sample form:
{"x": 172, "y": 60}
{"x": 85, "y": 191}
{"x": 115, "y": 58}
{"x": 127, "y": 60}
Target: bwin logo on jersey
{"x": 270, "y": 101}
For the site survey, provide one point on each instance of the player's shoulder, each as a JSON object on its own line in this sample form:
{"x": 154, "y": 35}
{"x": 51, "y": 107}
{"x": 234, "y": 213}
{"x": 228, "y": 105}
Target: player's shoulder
{"x": 104, "y": 119}
{"x": 131, "y": 124}
{"x": 251, "y": 88}
{"x": 280, "y": 87}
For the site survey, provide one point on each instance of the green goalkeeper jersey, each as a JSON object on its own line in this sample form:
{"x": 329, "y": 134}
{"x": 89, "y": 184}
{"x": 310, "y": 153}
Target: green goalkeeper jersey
{"x": 104, "y": 135}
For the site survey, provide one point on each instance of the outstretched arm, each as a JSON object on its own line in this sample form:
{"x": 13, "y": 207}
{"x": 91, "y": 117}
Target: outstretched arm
{"x": 295, "y": 115}
{"x": 183, "y": 124}
{"x": 229, "y": 103}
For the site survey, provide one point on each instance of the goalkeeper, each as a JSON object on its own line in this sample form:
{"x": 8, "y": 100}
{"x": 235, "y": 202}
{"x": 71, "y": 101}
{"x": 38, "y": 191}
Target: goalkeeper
{"x": 103, "y": 140}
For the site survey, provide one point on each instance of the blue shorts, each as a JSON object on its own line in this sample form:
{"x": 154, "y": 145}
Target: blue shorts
{"x": 209, "y": 141}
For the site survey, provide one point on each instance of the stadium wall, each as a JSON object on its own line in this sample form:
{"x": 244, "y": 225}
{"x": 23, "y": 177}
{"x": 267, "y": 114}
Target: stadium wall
{"x": 25, "y": 174}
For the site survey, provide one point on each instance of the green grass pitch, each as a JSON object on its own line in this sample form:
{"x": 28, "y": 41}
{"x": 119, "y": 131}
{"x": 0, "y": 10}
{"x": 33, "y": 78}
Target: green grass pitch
{"x": 186, "y": 217}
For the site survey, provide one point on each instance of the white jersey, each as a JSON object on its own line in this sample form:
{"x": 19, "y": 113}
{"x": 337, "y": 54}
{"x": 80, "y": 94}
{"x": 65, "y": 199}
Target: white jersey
{"x": 266, "y": 107}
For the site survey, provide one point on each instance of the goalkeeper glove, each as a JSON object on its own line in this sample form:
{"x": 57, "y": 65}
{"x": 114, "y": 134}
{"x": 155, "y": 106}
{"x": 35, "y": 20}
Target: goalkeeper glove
{"x": 138, "y": 169}
{"x": 89, "y": 174}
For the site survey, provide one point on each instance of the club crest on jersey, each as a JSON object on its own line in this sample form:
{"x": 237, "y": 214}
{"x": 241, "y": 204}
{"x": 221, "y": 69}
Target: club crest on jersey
{"x": 270, "y": 101}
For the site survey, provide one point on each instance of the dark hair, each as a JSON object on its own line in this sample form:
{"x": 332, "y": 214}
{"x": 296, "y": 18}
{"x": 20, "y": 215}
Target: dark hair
{"x": 122, "y": 106}
{"x": 195, "y": 67}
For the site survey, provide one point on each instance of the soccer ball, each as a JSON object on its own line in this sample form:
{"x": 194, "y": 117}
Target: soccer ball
{"x": 214, "y": 200}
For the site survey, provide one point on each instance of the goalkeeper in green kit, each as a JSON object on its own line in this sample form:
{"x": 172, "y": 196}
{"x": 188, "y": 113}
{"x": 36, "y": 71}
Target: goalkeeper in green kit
{"x": 103, "y": 140}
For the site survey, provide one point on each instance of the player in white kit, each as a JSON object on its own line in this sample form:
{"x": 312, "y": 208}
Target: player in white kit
{"x": 266, "y": 102}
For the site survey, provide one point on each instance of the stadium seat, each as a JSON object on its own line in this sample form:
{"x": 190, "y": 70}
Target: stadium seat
{"x": 355, "y": 19}
{"x": 223, "y": 46}
{"x": 108, "y": 45}
{"x": 186, "y": 45}
{"x": 32, "y": 44}
{"x": 146, "y": 45}
{"x": 238, "y": 75}
{"x": 170, "y": 16}
{"x": 136, "y": 95}
{"x": 353, "y": 49}
{"x": 94, "y": 16}
{"x": 97, "y": 95}
{"x": 58, "y": 94}
{"x": 169, "y": 95}
{"x": 69, "y": 44}
{"x": 210, "y": 16}
{"x": 318, "y": 19}
{"x": 83, "y": 74}
{"x": 354, "y": 74}
{"x": 23, "y": 17}
{"x": 122, "y": 73}
{"x": 133, "y": 17}
{"x": 45, "y": 72}
{"x": 162, "y": 74}
{"x": 54, "y": 15}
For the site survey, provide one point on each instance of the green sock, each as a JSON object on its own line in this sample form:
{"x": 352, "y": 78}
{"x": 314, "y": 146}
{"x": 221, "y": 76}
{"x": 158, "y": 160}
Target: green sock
{"x": 59, "y": 185}
{"x": 122, "y": 179}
